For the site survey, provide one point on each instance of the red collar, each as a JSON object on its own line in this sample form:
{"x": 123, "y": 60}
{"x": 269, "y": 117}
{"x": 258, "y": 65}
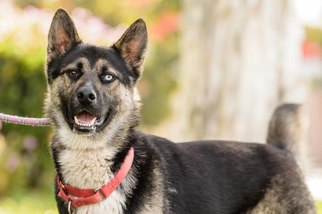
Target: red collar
{"x": 84, "y": 197}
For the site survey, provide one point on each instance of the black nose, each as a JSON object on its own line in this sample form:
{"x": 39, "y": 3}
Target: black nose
{"x": 86, "y": 95}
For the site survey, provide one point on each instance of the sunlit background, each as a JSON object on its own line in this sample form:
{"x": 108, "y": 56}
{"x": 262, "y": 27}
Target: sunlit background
{"x": 214, "y": 70}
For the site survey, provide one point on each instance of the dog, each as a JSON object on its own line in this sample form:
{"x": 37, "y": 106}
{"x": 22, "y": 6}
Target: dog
{"x": 105, "y": 165}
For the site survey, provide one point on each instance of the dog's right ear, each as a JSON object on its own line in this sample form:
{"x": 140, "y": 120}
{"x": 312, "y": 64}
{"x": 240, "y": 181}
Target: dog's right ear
{"x": 62, "y": 35}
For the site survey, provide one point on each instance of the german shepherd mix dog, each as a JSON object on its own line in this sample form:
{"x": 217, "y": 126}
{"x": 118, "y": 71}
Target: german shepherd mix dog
{"x": 104, "y": 165}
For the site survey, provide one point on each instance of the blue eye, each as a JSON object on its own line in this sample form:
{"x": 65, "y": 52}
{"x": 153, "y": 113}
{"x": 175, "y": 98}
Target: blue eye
{"x": 107, "y": 78}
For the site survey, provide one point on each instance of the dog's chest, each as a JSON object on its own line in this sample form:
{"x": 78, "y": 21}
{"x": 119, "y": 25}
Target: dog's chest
{"x": 91, "y": 170}
{"x": 85, "y": 169}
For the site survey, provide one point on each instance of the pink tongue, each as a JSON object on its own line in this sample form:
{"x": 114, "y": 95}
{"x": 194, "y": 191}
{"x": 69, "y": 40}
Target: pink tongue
{"x": 85, "y": 117}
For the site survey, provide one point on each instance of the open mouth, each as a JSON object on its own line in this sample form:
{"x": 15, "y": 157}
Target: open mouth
{"x": 85, "y": 119}
{"x": 86, "y": 122}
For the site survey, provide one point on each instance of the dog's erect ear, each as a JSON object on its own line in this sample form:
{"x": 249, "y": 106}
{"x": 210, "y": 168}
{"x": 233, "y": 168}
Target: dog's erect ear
{"x": 132, "y": 46}
{"x": 62, "y": 35}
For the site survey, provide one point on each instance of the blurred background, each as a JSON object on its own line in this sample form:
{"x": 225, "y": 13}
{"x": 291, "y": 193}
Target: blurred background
{"x": 215, "y": 69}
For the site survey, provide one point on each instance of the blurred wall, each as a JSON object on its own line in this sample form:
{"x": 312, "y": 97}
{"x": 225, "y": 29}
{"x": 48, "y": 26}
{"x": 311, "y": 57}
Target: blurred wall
{"x": 239, "y": 60}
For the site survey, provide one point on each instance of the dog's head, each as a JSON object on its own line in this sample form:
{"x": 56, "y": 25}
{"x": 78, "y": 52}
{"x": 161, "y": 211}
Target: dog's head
{"x": 92, "y": 89}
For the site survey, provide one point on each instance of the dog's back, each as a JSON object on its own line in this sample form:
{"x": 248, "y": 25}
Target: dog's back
{"x": 244, "y": 177}
{"x": 230, "y": 177}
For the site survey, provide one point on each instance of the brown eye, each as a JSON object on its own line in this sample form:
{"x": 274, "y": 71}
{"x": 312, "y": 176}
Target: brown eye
{"x": 73, "y": 74}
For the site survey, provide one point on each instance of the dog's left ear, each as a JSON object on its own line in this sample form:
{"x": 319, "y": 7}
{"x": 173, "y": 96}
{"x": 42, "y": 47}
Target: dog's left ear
{"x": 62, "y": 35}
{"x": 132, "y": 46}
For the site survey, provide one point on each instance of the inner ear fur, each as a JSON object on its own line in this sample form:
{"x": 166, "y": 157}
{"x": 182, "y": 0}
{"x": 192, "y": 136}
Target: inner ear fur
{"x": 132, "y": 46}
{"x": 62, "y": 35}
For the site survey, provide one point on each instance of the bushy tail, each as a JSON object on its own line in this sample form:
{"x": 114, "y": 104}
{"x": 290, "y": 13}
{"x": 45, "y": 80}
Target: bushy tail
{"x": 287, "y": 128}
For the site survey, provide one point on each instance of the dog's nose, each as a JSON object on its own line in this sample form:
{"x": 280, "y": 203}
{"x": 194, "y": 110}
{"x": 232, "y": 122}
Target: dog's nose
{"x": 86, "y": 95}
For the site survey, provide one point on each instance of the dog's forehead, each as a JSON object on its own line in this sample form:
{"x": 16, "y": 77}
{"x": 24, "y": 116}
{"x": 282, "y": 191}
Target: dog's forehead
{"x": 93, "y": 58}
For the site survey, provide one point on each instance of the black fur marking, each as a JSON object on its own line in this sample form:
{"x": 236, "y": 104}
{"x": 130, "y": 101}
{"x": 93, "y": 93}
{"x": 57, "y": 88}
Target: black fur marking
{"x": 80, "y": 66}
{"x": 92, "y": 54}
{"x": 104, "y": 69}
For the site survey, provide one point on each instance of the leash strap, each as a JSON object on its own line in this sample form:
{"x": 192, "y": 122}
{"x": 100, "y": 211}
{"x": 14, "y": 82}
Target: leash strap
{"x": 29, "y": 121}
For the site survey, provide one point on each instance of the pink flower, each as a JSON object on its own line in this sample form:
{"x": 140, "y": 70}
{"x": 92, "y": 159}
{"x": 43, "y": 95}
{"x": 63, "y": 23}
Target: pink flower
{"x": 30, "y": 143}
{"x": 12, "y": 162}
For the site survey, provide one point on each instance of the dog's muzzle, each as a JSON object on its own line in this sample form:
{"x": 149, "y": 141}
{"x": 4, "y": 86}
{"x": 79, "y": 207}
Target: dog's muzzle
{"x": 85, "y": 110}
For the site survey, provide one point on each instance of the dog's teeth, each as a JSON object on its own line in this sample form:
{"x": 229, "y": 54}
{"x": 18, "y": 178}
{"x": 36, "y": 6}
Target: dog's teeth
{"x": 91, "y": 123}
{"x": 76, "y": 120}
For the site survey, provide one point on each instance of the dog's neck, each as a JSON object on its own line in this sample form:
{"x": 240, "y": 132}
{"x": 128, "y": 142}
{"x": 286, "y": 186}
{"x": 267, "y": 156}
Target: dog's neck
{"x": 90, "y": 158}
{"x": 93, "y": 168}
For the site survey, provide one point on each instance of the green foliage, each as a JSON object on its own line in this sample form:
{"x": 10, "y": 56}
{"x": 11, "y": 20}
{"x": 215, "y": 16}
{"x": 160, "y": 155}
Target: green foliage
{"x": 115, "y": 12}
{"x": 313, "y": 34}
{"x": 22, "y": 86}
{"x": 29, "y": 203}
{"x": 158, "y": 82}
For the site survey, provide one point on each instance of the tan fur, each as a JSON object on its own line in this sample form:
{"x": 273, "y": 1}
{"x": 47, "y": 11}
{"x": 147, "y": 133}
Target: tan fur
{"x": 155, "y": 203}
{"x": 285, "y": 197}
{"x": 89, "y": 169}
{"x": 82, "y": 60}
{"x": 101, "y": 63}
{"x": 76, "y": 141}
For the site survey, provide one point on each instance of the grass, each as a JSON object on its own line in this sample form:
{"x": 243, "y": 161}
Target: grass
{"x": 319, "y": 207}
{"x": 31, "y": 203}
{"x": 42, "y": 203}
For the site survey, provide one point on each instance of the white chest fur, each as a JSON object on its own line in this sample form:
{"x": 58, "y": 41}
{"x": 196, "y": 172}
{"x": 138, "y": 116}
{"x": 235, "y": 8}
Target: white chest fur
{"x": 91, "y": 169}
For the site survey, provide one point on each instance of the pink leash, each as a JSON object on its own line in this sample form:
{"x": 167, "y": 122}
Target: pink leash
{"x": 29, "y": 121}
